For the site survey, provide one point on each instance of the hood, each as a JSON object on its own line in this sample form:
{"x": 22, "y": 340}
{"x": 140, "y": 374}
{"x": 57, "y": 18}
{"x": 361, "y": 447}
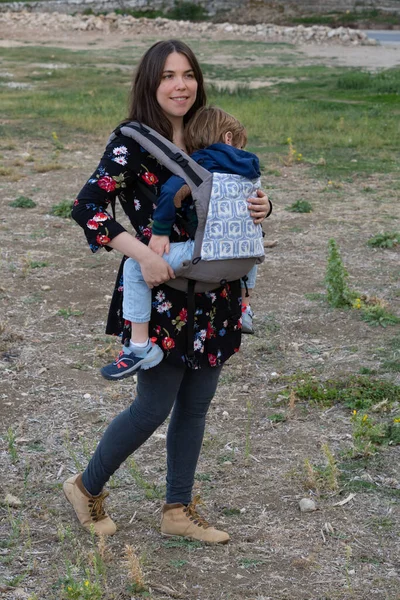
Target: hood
{"x": 221, "y": 158}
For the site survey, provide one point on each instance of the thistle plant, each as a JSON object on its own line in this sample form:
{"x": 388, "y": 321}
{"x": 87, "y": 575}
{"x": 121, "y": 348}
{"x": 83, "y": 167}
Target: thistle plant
{"x": 338, "y": 293}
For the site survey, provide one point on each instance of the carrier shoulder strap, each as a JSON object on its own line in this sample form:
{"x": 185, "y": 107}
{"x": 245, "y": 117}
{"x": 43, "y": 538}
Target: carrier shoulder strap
{"x": 167, "y": 153}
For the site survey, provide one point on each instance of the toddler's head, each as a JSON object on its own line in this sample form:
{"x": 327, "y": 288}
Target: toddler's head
{"x": 210, "y": 125}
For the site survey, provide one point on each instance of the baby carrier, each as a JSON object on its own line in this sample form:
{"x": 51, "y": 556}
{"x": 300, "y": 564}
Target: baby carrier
{"x": 227, "y": 244}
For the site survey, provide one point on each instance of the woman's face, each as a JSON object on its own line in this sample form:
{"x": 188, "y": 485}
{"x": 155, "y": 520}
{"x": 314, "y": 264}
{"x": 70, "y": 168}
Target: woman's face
{"x": 177, "y": 91}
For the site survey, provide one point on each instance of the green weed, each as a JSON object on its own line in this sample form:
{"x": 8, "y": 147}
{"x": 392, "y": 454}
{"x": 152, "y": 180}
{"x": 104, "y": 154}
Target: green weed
{"x": 355, "y": 392}
{"x": 378, "y": 315}
{"x": 63, "y": 209}
{"x": 66, "y": 313}
{"x": 12, "y": 449}
{"x": 151, "y": 490}
{"x": 385, "y": 240}
{"x": 338, "y": 293}
{"x": 300, "y": 206}
{"x": 23, "y": 202}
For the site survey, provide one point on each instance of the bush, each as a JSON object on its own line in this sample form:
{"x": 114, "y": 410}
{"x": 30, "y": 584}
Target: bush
{"x": 187, "y": 11}
{"x": 300, "y": 206}
{"x": 23, "y": 202}
{"x": 63, "y": 209}
{"x": 384, "y": 240}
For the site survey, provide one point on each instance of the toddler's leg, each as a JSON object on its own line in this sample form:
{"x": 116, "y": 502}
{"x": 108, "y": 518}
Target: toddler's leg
{"x": 247, "y": 313}
{"x": 141, "y": 353}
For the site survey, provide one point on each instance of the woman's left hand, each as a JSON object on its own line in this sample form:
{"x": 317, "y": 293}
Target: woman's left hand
{"x": 259, "y": 207}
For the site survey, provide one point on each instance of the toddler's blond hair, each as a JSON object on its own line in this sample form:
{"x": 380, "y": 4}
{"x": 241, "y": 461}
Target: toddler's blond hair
{"x": 209, "y": 126}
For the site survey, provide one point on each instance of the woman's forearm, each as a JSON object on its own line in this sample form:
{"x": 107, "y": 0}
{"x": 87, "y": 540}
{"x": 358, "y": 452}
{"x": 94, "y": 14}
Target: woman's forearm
{"x": 154, "y": 268}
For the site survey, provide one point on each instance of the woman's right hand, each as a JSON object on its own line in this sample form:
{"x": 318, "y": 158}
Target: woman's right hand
{"x": 155, "y": 270}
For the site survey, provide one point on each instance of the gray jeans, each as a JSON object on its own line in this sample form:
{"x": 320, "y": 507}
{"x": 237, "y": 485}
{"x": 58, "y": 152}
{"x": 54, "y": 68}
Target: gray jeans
{"x": 159, "y": 389}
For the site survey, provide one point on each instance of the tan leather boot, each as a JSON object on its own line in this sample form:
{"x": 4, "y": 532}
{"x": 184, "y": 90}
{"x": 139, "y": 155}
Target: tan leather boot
{"x": 89, "y": 509}
{"x": 178, "y": 519}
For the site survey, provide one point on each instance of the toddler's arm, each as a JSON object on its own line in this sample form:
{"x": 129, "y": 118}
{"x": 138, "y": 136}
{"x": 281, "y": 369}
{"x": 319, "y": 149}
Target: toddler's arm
{"x": 164, "y": 213}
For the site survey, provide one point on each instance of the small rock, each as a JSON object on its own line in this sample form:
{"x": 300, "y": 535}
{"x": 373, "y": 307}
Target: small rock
{"x": 227, "y": 463}
{"x": 274, "y": 375}
{"x": 11, "y": 500}
{"x": 307, "y": 505}
{"x": 245, "y": 387}
{"x": 87, "y": 396}
{"x": 225, "y": 415}
{"x": 45, "y": 288}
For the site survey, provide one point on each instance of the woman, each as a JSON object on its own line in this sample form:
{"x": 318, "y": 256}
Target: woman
{"x": 167, "y": 91}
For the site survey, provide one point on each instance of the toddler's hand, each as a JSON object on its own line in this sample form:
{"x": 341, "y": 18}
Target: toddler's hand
{"x": 159, "y": 244}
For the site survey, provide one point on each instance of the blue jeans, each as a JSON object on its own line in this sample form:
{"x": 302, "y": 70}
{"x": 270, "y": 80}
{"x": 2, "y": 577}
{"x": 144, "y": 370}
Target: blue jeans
{"x": 137, "y": 295}
{"x": 159, "y": 389}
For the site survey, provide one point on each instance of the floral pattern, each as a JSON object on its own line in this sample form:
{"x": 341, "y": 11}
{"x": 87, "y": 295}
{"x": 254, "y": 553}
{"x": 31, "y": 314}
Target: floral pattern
{"x": 217, "y": 319}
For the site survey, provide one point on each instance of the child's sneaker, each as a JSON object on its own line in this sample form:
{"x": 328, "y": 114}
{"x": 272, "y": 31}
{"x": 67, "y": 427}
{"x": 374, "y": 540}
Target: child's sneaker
{"x": 247, "y": 320}
{"x": 128, "y": 361}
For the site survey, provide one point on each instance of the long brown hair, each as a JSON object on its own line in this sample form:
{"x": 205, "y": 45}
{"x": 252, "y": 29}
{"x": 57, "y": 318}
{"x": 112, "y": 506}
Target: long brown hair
{"x": 209, "y": 126}
{"x": 143, "y": 105}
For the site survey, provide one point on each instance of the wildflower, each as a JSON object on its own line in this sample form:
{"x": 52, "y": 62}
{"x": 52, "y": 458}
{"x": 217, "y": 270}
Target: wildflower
{"x": 357, "y": 303}
{"x": 289, "y": 140}
{"x": 354, "y": 412}
{"x": 330, "y": 182}
{"x": 86, "y": 583}
{"x": 396, "y": 420}
{"x": 54, "y": 136}
{"x": 365, "y": 418}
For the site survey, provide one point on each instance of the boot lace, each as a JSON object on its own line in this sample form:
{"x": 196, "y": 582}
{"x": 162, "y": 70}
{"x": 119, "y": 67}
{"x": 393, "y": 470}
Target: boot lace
{"x": 193, "y": 515}
{"x": 96, "y": 507}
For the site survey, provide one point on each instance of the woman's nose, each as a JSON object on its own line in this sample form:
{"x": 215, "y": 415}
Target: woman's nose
{"x": 180, "y": 82}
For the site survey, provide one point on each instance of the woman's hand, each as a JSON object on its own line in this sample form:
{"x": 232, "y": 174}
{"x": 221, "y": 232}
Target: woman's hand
{"x": 260, "y": 207}
{"x": 155, "y": 270}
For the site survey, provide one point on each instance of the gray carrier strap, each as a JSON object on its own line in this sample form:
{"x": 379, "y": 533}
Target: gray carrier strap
{"x": 166, "y": 153}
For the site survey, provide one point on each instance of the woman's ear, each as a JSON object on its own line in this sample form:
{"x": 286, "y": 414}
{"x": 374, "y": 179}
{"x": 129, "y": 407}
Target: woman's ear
{"x": 228, "y": 136}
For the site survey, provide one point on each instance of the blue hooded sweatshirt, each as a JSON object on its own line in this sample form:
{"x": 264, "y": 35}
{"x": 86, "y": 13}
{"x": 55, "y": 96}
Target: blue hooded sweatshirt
{"x": 218, "y": 158}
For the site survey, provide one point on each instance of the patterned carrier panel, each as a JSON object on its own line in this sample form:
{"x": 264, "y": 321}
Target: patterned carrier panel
{"x": 230, "y": 231}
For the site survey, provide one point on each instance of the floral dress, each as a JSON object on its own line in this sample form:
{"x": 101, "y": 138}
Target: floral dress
{"x": 217, "y": 314}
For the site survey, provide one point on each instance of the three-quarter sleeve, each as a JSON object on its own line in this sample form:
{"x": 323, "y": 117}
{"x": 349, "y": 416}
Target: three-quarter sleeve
{"x": 91, "y": 209}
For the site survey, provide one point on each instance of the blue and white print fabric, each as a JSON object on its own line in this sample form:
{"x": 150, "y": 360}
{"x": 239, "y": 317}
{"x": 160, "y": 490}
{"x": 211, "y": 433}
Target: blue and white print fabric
{"x": 230, "y": 231}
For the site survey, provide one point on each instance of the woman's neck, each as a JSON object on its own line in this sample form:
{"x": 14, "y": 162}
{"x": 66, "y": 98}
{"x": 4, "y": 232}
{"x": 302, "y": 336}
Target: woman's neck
{"x": 178, "y": 135}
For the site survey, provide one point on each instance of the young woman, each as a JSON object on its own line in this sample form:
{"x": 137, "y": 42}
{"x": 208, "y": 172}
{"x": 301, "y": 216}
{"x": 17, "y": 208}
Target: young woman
{"x": 167, "y": 91}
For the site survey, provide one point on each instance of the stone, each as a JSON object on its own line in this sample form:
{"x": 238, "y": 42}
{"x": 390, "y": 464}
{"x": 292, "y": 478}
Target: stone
{"x": 12, "y": 501}
{"x": 307, "y": 505}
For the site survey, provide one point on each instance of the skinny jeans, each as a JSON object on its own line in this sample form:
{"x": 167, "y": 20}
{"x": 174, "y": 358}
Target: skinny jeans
{"x": 188, "y": 392}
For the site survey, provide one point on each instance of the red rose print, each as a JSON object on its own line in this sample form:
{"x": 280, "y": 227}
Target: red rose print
{"x": 150, "y": 178}
{"x": 157, "y": 329}
{"x": 223, "y": 293}
{"x": 76, "y": 202}
{"x": 107, "y": 183}
{"x": 210, "y": 331}
{"x": 239, "y": 324}
{"x": 100, "y": 216}
{"x": 91, "y": 224}
{"x": 212, "y": 359}
{"x": 183, "y": 315}
{"x": 146, "y": 232}
{"x": 236, "y": 349}
{"x": 168, "y": 343}
{"x": 102, "y": 239}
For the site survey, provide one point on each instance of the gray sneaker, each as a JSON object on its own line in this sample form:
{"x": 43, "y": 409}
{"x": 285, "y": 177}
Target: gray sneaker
{"x": 247, "y": 321}
{"x": 127, "y": 363}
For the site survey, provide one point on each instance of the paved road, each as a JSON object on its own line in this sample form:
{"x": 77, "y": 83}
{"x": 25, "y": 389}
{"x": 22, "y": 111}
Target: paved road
{"x": 385, "y": 37}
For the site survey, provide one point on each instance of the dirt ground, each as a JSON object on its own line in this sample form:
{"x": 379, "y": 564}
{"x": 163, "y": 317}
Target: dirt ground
{"x": 56, "y": 405}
